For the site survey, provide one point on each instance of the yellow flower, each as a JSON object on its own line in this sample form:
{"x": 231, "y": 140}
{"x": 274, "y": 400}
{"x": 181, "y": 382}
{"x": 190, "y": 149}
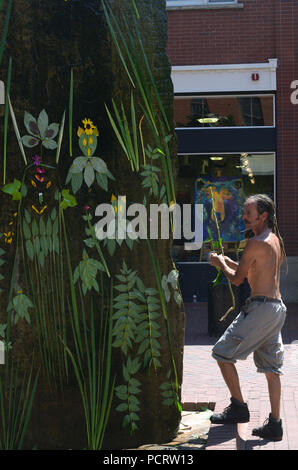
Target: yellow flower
{"x": 80, "y": 131}
{"x": 88, "y": 126}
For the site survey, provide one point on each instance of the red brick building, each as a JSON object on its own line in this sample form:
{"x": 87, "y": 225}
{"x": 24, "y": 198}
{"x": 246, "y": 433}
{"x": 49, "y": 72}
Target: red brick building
{"x": 235, "y": 72}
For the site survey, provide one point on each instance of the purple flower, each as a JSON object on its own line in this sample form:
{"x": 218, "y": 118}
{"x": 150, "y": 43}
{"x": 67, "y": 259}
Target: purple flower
{"x": 36, "y": 160}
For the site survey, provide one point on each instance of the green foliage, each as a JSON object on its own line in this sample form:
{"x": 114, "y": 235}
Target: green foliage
{"x": 40, "y": 131}
{"x": 127, "y": 394}
{"x": 91, "y": 361}
{"x": 2, "y": 261}
{"x": 16, "y": 129}
{"x": 16, "y": 400}
{"x": 5, "y": 29}
{"x": 87, "y": 271}
{"x": 21, "y": 303}
{"x": 148, "y": 329}
{"x": 41, "y": 238}
{"x": 172, "y": 279}
{"x": 151, "y": 178}
{"x": 127, "y": 139}
{"x": 68, "y": 199}
{"x": 13, "y": 189}
{"x": 126, "y": 310}
{"x": 3, "y": 335}
{"x": 113, "y": 234}
{"x": 169, "y": 393}
{"x": 88, "y": 167}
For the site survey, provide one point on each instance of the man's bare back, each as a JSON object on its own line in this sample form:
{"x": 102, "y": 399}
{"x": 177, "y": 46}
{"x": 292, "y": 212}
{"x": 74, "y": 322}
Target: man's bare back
{"x": 264, "y": 273}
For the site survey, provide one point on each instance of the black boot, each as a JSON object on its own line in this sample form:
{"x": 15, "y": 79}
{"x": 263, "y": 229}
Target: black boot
{"x": 236, "y": 412}
{"x": 271, "y": 430}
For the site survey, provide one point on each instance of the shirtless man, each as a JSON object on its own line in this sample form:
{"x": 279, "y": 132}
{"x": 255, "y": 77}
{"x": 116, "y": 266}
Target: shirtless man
{"x": 257, "y": 327}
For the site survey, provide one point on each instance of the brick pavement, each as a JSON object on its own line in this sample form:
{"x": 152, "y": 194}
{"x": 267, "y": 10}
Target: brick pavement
{"x": 203, "y": 383}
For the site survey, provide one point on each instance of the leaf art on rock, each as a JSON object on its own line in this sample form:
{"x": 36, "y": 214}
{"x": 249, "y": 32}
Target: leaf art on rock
{"x": 87, "y": 167}
{"x": 87, "y": 272}
{"x": 21, "y": 304}
{"x": 40, "y": 131}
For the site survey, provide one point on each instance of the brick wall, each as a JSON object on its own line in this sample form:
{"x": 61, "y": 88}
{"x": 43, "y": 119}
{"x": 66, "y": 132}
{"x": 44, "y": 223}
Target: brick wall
{"x": 261, "y": 30}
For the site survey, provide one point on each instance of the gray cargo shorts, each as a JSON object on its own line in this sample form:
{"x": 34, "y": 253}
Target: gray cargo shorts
{"x": 256, "y": 329}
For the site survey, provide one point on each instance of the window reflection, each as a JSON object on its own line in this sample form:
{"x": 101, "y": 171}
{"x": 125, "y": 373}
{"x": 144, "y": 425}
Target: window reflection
{"x": 223, "y": 111}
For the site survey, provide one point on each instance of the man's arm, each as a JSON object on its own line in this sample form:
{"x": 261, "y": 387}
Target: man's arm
{"x": 231, "y": 263}
{"x": 239, "y": 273}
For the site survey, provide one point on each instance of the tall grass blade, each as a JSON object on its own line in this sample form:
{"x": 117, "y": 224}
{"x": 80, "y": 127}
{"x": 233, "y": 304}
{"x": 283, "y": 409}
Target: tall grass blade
{"x": 61, "y": 130}
{"x": 17, "y": 132}
{"x": 135, "y": 9}
{"x": 16, "y": 401}
{"x": 70, "y": 111}
{"x": 116, "y": 43}
{"x": 114, "y": 126}
{"x": 6, "y": 120}
{"x": 5, "y": 29}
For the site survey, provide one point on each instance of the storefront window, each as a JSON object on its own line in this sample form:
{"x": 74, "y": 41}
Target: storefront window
{"x": 232, "y": 178}
{"x": 224, "y": 111}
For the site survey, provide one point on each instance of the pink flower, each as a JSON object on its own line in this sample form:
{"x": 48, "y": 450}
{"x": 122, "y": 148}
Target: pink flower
{"x": 36, "y": 160}
{"x": 40, "y": 170}
{"x": 86, "y": 208}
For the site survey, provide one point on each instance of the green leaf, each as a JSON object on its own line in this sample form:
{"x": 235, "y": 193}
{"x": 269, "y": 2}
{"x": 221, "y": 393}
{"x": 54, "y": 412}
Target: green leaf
{"x": 173, "y": 278}
{"x": 177, "y": 298}
{"x": 78, "y": 165}
{"x": 21, "y": 304}
{"x": 168, "y": 402}
{"x": 44, "y": 244}
{"x": 29, "y": 249}
{"x": 29, "y": 141}
{"x": 26, "y": 230}
{"x": 49, "y": 144}
{"x": 88, "y": 144}
{"x": 89, "y": 174}
{"x": 49, "y": 227}
{"x": 76, "y": 181}
{"x": 54, "y": 214}
{"x": 122, "y": 407}
{"x": 34, "y": 228}
{"x": 102, "y": 181}
{"x": 31, "y": 124}
{"x": 36, "y": 245}
{"x": 52, "y": 130}
{"x": 68, "y": 199}
{"x": 42, "y": 123}
{"x": 56, "y": 226}
{"x": 27, "y": 216}
{"x": 98, "y": 164}
{"x": 12, "y": 188}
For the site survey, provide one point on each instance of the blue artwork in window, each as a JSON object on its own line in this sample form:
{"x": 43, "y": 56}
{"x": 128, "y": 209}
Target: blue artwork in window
{"x": 229, "y": 199}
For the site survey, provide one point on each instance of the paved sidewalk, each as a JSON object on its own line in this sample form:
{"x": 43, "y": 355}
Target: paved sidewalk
{"x": 203, "y": 383}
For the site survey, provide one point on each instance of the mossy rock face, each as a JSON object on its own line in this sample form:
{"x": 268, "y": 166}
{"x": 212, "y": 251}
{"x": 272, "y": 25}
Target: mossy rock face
{"x": 45, "y": 40}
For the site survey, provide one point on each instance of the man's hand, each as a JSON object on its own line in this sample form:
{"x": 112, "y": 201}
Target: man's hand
{"x": 216, "y": 260}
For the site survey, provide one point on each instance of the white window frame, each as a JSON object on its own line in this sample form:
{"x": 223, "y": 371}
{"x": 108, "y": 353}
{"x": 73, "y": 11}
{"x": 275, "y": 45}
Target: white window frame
{"x": 190, "y": 3}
